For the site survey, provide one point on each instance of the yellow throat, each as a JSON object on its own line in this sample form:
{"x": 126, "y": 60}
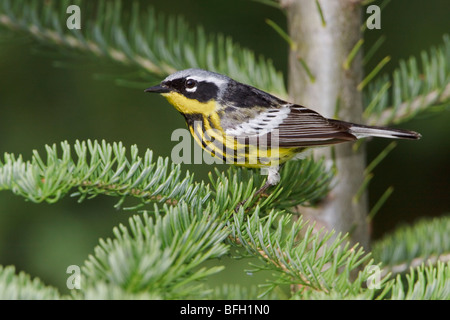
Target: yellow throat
{"x": 190, "y": 106}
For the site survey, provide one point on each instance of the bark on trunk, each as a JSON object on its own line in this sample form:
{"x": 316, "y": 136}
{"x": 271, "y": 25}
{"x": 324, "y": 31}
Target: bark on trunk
{"x": 323, "y": 43}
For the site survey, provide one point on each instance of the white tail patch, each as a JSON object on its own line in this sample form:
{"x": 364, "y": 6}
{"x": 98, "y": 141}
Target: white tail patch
{"x": 365, "y": 131}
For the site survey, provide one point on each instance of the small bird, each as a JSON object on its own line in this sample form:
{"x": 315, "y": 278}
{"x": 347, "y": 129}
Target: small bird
{"x": 246, "y": 126}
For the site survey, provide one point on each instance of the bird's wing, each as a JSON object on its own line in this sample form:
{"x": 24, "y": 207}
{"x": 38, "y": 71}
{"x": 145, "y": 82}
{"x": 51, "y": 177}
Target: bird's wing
{"x": 254, "y": 121}
{"x": 292, "y": 126}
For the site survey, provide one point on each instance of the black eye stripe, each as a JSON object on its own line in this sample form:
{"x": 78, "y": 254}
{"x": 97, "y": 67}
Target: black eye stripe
{"x": 205, "y": 90}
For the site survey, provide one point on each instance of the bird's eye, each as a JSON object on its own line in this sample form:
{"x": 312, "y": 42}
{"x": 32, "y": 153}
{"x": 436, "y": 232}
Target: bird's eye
{"x": 190, "y": 83}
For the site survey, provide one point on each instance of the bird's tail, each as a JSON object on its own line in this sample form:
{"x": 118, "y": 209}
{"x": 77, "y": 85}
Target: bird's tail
{"x": 361, "y": 131}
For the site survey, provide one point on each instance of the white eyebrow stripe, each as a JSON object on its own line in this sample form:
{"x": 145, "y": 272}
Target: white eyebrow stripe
{"x": 214, "y": 80}
{"x": 261, "y": 124}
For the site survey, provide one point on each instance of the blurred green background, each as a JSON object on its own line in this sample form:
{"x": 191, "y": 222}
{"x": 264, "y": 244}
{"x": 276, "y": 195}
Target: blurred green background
{"x": 41, "y": 103}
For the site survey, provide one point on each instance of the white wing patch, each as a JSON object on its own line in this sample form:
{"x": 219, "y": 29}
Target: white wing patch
{"x": 262, "y": 123}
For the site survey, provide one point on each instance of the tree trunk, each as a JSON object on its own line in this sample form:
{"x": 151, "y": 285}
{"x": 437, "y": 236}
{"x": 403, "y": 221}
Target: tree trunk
{"x": 323, "y": 43}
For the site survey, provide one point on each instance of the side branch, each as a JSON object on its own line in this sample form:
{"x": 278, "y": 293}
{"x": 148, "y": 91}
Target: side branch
{"x": 409, "y": 109}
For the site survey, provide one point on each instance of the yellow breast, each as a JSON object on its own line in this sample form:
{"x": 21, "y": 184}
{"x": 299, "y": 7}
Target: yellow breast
{"x": 232, "y": 151}
{"x": 209, "y": 135}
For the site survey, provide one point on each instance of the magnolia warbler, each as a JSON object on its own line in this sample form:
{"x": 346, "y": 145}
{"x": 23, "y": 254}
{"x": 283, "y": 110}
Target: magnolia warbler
{"x": 249, "y": 127}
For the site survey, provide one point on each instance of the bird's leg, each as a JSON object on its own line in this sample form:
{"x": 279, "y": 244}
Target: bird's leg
{"x": 272, "y": 179}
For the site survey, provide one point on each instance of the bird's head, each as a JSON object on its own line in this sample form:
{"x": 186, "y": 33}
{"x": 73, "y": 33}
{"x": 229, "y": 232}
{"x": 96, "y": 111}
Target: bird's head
{"x": 193, "y": 91}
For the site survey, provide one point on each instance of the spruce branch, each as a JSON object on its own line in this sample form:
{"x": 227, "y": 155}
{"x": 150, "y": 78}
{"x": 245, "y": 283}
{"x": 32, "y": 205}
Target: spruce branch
{"x": 186, "y": 231}
{"x": 302, "y": 182}
{"x": 106, "y": 291}
{"x": 100, "y": 168}
{"x": 146, "y": 40}
{"x": 301, "y": 257}
{"x": 160, "y": 255}
{"x": 426, "y": 242}
{"x": 21, "y": 287}
{"x": 239, "y": 292}
{"x": 412, "y": 90}
{"x": 107, "y": 169}
{"x": 427, "y": 282}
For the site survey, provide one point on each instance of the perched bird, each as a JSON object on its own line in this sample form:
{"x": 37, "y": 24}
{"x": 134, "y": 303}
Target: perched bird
{"x": 249, "y": 127}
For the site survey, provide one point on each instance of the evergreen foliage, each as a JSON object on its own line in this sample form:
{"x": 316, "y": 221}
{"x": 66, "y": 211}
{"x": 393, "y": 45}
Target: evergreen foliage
{"x": 155, "y": 45}
{"x": 182, "y": 224}
{"x": 412, "y": 89}
{"x": 22, "y": 287}
{"x": 411, "y": 247}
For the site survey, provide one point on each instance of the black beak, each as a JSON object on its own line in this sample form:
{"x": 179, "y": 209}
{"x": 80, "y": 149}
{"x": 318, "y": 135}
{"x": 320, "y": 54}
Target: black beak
{"x": 158, "y": 89}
